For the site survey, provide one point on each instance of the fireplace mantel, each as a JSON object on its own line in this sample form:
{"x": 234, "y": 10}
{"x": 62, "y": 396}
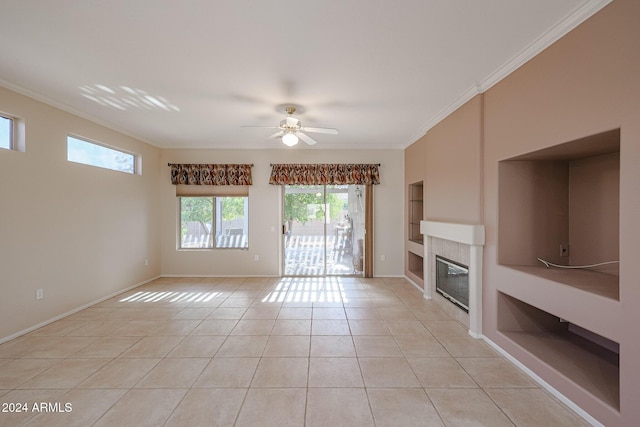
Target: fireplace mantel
{"x": 467, "y": 234}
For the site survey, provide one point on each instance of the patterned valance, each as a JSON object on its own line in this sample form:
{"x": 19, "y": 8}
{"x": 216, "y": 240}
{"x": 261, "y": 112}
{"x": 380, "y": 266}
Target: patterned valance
{"x": 325, "y": 174}
{"x": 205, "y": 174}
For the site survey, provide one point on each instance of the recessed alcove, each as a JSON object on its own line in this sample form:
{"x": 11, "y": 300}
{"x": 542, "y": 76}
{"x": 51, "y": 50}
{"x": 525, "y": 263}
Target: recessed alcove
{"x": 562, "y": 204}
{"x": 581, "y": 357}
{"x": 416, "y": 207}
{"x": 416, "y": 264}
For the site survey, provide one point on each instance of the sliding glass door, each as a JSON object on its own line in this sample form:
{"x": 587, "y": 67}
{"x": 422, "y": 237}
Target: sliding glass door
{"x": 323, "y": 229}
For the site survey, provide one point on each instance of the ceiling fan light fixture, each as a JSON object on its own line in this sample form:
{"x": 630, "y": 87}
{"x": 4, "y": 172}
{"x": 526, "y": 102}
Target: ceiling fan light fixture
{"x": 291, "y": 130}
{"x": 290, "y": 139}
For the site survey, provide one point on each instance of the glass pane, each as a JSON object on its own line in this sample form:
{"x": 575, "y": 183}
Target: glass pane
{"x": 304, "y": 222}
{"x": 6, "y": 131}
{"x": 88, "y": 153}
{"x": 196, "y": 222}
{"x": 232, "y": 222}
{"x": 339, "y": 231}
{"x": 356, "y": 205}
{"x": 345, "y": 231}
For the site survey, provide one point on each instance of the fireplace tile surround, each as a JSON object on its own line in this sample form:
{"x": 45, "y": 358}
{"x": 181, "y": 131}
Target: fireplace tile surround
{"x": 462, "y": 243}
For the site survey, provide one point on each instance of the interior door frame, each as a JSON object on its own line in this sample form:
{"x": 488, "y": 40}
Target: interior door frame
{"x": 368, "y": 231}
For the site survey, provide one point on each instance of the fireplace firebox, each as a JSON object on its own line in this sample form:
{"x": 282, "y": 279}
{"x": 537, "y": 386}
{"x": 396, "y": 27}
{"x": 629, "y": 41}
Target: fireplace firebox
{"x": 452, "y": 281}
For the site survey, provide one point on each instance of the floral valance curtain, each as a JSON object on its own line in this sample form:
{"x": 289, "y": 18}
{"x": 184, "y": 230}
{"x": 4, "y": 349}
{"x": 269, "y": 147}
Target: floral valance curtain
{"x": 325, "y": 174}
{"x": 208, "y": 174}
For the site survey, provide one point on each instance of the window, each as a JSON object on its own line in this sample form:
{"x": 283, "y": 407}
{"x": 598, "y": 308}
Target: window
{"x": 12, "y": 132}
{"x": 89, "y": 153}
{"x": 6, "y": 133}
{"x": 214, "y": 222}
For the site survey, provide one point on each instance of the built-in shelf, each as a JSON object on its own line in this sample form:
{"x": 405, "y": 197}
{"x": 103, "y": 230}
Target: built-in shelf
{"x": 595, "y": 282}
{"x": 580, "y": 356}
{"x": 562, "y": 204}
{"x": 416, "y": 206}
{"x": 416, "y": 264}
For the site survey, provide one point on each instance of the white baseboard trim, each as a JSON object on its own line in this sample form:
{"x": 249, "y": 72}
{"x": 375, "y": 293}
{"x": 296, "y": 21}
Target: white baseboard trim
{"x": 75, "y": 310}
{"x": 281, "y": 277}
{"x": 561, "y": 397}
{"x": 231, "y": 276}
{"x": 415, "y": 285}
{"x": 425, "y": 296}
{"x": 476, "y": 336}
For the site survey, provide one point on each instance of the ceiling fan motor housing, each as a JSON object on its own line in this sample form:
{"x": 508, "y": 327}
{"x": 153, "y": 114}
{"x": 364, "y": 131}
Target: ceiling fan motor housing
{"x": 290, "y": 123}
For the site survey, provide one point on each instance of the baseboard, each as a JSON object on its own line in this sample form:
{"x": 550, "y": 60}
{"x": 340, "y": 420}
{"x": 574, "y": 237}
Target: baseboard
{"x": 476, "y": 336}
{"x": 561, "y": 397}
{"x": 415, "y": 285}
{"x": 278, "y": 276}
{"x": 75, "y": 310}
{"x": 231, "y": 276}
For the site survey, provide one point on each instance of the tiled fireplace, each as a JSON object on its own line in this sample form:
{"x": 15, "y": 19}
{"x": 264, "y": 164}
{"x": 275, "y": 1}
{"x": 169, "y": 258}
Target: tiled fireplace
{"x": 461, "y": 243}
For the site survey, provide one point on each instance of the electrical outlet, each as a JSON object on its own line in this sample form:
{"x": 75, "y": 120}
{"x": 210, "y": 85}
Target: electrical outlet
{"x": 382, "y": 257}
{"x": 39, "y": 293}
{"x": 564, "y": 250}
{"x": 256, "y": 257}
{"x": 146, "y": 262}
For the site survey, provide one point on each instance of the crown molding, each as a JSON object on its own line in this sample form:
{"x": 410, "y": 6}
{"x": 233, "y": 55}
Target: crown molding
{"x": 444, "y": 113}
{"x": 563, "y": 27}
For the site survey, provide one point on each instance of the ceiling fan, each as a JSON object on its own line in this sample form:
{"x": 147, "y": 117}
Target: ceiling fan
{"x": 291, "y": 129}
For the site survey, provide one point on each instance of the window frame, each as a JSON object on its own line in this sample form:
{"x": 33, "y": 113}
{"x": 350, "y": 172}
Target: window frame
{"x": 12, "y": 131}
{"x": 17, "y": 132}
{"x": 213, "y": 232}
{"x": 136, "y": 158}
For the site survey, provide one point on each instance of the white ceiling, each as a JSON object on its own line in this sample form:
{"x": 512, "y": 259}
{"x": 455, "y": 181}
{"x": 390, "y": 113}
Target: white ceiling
{"x": 190, "y": 73}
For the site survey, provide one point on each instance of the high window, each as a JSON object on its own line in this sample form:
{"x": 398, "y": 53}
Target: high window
{"x": 90, "y": 153}
{"x": 213, "y": 222}
{"x": 6, "y": 133}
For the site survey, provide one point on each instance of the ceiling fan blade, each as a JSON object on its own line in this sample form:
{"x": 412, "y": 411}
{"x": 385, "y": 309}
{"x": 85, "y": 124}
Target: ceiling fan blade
{"x": 306, "y": 138}
{"x": 276, "y": 135}
{"x": 260, "y": 127}
{"x": 329, "y": 131}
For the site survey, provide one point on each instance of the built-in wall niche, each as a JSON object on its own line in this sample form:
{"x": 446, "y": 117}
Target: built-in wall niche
{"x": 562, "y": 204}
{"x": 584, "y": 358}
{"x": 416, "y": 205}
{"x": 416, "y": 264}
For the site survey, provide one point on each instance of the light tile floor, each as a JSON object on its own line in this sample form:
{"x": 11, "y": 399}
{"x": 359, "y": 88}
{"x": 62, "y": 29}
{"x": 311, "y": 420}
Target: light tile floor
{"x": 266, "y": 352}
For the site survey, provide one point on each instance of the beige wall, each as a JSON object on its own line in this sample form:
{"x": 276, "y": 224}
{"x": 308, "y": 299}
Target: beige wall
{"x": 448, "y": 160}
{"x": 584, "y": 84}
{"x": 265, "y": 205}
{"x": 533, "y": 208}
{"x": 453, "y": 186}
{"x": 78, "y": 232}
{"x": 594, "y": 227}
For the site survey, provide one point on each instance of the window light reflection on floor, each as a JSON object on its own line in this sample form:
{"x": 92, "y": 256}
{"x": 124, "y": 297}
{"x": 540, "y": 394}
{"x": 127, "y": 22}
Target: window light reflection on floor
{"x": 171, "y": 297}
{"x": 307, "y": 289}
{"x": 287, "y": 290}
